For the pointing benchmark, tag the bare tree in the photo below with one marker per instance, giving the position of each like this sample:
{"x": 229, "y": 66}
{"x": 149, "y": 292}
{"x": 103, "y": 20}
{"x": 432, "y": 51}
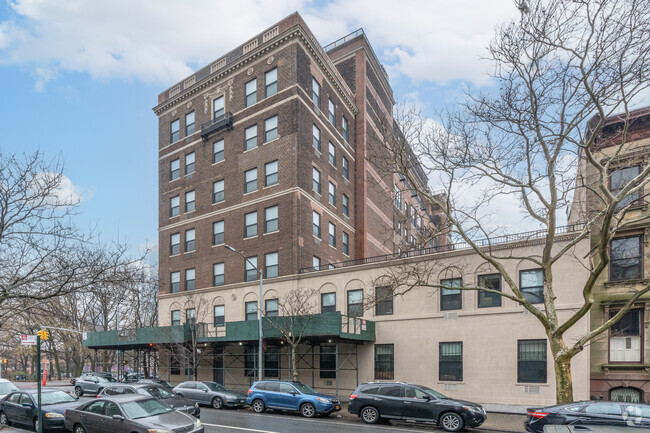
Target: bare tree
{"x": 556, "y": 66}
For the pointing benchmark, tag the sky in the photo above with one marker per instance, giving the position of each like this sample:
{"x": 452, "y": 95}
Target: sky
{"x": 80, "y": 78}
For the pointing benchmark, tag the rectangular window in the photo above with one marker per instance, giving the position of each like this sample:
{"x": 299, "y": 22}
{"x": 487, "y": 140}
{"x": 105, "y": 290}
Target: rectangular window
{"x": 271, "y": 82}
{"x": 218, "y": 193}
{"x": 251, "y": 310}
{"x": 332, "y": 154}
{"x": 271, "y": 265}
{"x": 346, "y": 205}
{"x": 271, "y": 219}
{"x": 190, "y": 203}
{"x": 271, "y": 173}
{"x": 355, "y": 303}
{"x": 272, "y": 362}
{"x": 625, "y": 337}
{"x": 398, "y": 198}
{"x": 531, "y": 284}
{"x": 451, "y": 299}
{"x": 219, "y": 315}
{"x": 315, "y": 132}
{"x": 250, "y": 355}
{"x": 218, "y": 152}
{"x": 175, "y": 244}
{"x": 384, "y": 361}
{"x": 316, "y": 223}
{"x": 190, "y": 315}
{"x": 251, "y": 92}
{"x": 271, "y": 308}
{"x": 218, "y": 274}
{"x": 190, "y": 163}
{"x": 327, "y": 302}
{"x": 218, "y": 233}
{"x": 190, "y": 278}
{"x": 531, "y": 361}
{"x": 450, "y": 366}
{"x": 619, "y": 178}
{"x": 345, "y": 128}
{"x": 315, "y": 92}
{"x": 176, "y": 317}
{"x": 218, "y": 107}
{"x": 174, "y": 206}
{"x": 250, "y": 137}
{"x": 174, "y": 169}
{"x": 251, "y": 268}
{"x": 346, "y": 244}
{"x": 270, "y": 129}
{"x": 327, "y": 362}
{"x": 175, "y": 282}
{"x": 250, "y": 220}
{"x": 489, "y": 281}
{"x": 332, "y": 194}
{"x": 345, "y": 167}
{"x": 175, "y": 130}
{"x": 315, "y": 262}
{"x": 626, "y": 258}
{"x": 332, "y": 235}
{"x": 250, "y": 180}
{"x": 190, "y": 240}
{"x": 383, "y": 301}
{"x": 189, "y": 124}
{"x": 315, "y": 177}
{"x": 331, "y": 112}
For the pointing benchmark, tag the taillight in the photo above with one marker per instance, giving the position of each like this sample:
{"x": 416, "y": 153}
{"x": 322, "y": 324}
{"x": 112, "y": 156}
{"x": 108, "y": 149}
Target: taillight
{"x": 353, "y": 396}
{"x": 538, "y": 415}
{"x": 250, "y": 390}
{"x": 99, "y": 396}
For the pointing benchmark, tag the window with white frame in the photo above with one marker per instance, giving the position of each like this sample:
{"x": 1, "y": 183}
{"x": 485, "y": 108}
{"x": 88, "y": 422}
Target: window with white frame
{"x": 271, "y": 219}
{"x": 345, "y": 167}
{"x": 218, "y": 151}
{"x": 345, "y": 128}
{"x": 332, "y": 194}
{"x": 398, "y": 198}
{"x": 315, "y": 262}
{"x": 218, "y": 193}
{"x": 190, "y": 163}
{"x": 346, "y": 205}
{"x": 346, "y": 244}
{"x": 315, "y": 132}
{"x": 270, "y": 129}
{"x": 316, "y": 223}
{"x": 332, "y": 154}
{"x": 315, "y": 176}
{"x": 175, "y": 281}
{"x": 332, "y": 234}
{"x": 250, "y": 180}
{"x": 218, "y": 233}
{"x": 174, "y": 244}
{"x": 218, "y": 274}
{"x": 190, "y": 203}
{"x": 625, "y": 337}
{"x": 271, "y": 173}
{"x": 271, "y": 308}
{"x": 218, "y": 108}
{"x": 251, "y": 268}
{"x": 251, "y": 92}
{"x": 331, "y": 112}
{"x": 190, "y": 240}
{"x": 219, "y": 316}
{"x": 271, "y": 266}
{"x": 271, "y": 82}
{"x": 251, "y": 310}
{"x": 189, "y": 123}
{"x": 174, "y": 206}
{"x": 174, "y": 169}
{"x": 251, "y": 224}
{"x": 250, "y": 137}
{"x": 190, "y": 279}
{"x": 315, "y": 92}
{"x": 175, "y": 129}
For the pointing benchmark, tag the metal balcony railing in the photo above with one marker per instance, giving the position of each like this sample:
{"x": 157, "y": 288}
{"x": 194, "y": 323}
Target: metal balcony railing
{"x": 217, "y": 124}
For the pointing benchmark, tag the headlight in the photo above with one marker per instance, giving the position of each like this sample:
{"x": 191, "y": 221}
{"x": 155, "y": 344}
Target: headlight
{"x": 473, "y": 409}
{"x": 197, "y": 423}
{"x": 323, "y": 400}
{"x": 53, "y": 415}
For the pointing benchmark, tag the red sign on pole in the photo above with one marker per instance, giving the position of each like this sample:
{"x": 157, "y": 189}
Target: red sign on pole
{"x": 44, "y": 377}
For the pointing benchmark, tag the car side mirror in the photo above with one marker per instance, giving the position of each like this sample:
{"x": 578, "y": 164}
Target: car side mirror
{"x": 293, "y": 393}
{"x": 118, "y": 417}
{"x": 204, "y": 390}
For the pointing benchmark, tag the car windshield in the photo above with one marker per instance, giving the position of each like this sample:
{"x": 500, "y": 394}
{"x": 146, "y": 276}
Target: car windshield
{"x": 144, "y": 408}
{"x": 110, "y": 379}
{"x": 436, "y": 394}
{"x": 303, "y": 388}
{"x": 215, "y": 386}
{"x": 6, "y": 388}
{"x": 56, "y": 397}
{"x": 159, "y": 392}
{"x": 165, "y": 384}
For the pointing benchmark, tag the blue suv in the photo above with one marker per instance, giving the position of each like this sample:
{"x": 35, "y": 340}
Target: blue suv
{"x": 291, "y": 396}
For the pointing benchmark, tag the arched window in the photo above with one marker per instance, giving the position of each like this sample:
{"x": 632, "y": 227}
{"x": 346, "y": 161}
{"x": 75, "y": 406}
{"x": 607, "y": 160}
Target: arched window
{"x": 627, "y": 395}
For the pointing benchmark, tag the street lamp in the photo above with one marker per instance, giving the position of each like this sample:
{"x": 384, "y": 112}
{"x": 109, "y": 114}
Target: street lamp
{"x": 259, "y": 313}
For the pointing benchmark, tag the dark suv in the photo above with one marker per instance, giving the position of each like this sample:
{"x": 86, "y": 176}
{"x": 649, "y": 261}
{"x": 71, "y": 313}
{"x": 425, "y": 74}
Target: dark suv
{"x": 375, "y": 400}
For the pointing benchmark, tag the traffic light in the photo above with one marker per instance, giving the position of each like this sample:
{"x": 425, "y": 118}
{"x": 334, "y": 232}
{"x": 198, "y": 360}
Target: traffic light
{"x": 45, "y": 335}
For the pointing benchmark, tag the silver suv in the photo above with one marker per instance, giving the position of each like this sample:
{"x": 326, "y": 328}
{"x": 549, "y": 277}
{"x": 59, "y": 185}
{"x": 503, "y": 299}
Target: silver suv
{"x": 91, "y": 384}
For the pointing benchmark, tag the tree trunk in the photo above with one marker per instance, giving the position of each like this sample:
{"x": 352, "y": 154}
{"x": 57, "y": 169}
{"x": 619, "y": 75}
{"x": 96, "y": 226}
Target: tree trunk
{"x": 562, "y": 367}
{"x": 294, "y": 367}
{"x": 55, "y": 354}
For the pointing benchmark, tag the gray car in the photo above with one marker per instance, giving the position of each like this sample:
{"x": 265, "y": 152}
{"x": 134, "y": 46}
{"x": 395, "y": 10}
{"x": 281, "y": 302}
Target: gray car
{"x": 128, "y": 413}
{"x": 218, "y": 396}
{"x": 88, "y": 384}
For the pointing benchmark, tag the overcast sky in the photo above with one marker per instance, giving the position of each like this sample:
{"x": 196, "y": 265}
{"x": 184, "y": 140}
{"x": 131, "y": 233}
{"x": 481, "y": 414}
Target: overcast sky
{"x": 80, "y": 77}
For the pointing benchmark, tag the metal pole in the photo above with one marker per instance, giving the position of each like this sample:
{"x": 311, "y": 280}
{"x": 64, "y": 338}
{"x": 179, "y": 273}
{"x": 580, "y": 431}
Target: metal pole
{"x": 38, "y": 380}
{"x": 336, "y": 364}
{"x": 259, "y": 317}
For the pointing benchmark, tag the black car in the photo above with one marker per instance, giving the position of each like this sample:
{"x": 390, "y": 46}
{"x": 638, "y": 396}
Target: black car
{"x": 20, "y": 407}
{"x": 157, "y": 391}
{"x": 589, "y": 413}
{"x": 129, "y": 413}
{"x": 389, "y": 400}
{"x": 218, "y": 396}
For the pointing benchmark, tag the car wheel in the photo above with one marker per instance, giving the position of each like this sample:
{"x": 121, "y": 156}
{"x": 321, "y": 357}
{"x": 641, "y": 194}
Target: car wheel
{"x": 3, "y": 419}
{"x": 79, "y": 429}
{"x": 36, "y": 424}
{"x": 451, "y": 421}
{"x": 308, "y": 410}
{"x": 258, "y": 406}
{"x": 369, "y": 415}
{"x": 78, "y": 391}
{"x": 217, "y": 403}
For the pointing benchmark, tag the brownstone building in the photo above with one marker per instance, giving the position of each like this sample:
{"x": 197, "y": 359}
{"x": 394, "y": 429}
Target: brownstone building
{"x": 269, "y": 150}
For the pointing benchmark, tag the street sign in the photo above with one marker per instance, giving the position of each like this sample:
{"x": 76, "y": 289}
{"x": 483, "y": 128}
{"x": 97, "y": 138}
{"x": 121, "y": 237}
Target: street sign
{"x": 363, "y": 325}
{"x": 28, "y": 340}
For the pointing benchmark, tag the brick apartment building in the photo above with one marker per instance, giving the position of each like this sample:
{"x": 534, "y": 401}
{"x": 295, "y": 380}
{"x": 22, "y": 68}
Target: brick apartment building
{"x": 266, "y": 150}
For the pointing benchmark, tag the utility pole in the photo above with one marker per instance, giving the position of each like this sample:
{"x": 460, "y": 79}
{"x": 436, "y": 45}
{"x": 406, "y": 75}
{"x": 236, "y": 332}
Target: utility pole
{"x": 39, "y": 427}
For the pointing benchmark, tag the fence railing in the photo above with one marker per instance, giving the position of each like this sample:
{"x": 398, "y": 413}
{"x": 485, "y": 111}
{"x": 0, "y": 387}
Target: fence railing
{"x": 349, "y": 37}
{"x": 458, "y": 246}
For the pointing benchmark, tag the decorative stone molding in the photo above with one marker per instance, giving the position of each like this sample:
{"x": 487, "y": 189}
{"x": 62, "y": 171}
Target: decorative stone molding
{"x": 189, "y": 104}
{"x": 250, "y": 46}
{"x": 233, "y": 297}
{"x": 189, "y": 82}
{"x": 270, "y": 60}
{"x": 218, "y": 65}
{"x": 174, "y": 112}
{"x": 270, "y": 34}
{"x": 175, "y": 91}
{"x": 250, "y": 71}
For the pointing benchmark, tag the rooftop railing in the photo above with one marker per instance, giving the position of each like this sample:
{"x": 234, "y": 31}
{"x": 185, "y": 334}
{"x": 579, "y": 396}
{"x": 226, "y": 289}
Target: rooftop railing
{"x": 346, "y": 38}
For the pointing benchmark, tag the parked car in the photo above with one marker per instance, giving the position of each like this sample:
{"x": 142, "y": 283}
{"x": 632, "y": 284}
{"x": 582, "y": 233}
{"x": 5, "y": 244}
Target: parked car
{"x": 108, "y": 376}
{"x": 6, "y": 387}
{"x": 160, "y": 382}
{"x": 91, "y": 384}
{"x": 589, "y": 413}
{"x": 20, "y": 408}
{"x": 291, "y": 396}
{"x": 218, "y": 396}
{"x": 129, "y": 413}
{"x": 156, "y": 391}
{"x": 394, "y": 400}
{"x": 590, "y": 429}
